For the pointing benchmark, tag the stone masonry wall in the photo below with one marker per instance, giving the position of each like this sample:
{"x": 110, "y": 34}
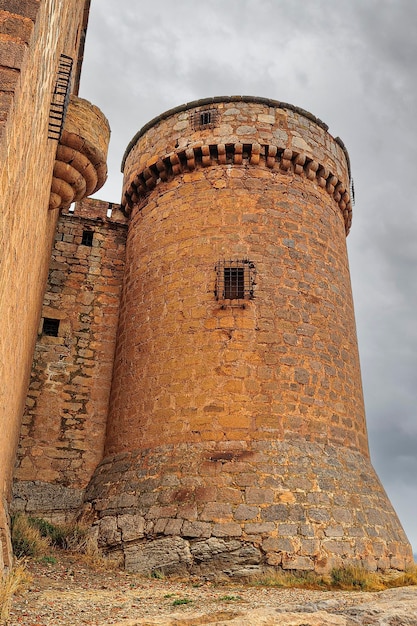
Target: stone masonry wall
{"x": 28, "y": 63}
{"x": 235, "y": 508}
{"x": 285, "y": 363}
{"x": 64, "y": 424}
{"x": 16, "y": 26}
{"x": 236, "y": 436}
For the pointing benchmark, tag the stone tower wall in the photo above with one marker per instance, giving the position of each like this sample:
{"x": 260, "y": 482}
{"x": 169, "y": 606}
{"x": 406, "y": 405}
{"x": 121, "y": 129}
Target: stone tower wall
{"x": 33, "y": 34}
{"x": 285, "y": 364}
{"x": 236, "y": 435}
{"x": 64, "y": 423}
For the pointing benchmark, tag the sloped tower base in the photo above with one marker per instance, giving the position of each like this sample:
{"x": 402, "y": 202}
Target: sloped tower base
{"x": 237, "y": 508}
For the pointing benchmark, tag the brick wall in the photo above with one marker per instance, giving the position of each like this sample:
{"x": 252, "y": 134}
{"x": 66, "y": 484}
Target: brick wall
{"x": 64, "y": 424}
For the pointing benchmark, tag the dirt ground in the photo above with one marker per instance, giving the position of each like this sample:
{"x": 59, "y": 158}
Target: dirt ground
{"x": 70, "y": 592}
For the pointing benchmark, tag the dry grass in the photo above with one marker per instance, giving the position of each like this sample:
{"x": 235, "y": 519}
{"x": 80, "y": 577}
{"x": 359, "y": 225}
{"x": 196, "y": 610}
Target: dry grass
{"x": 95, "y": 558}
{"x": 39, "y": 539}
{"x": 27, "y": 539}
{"x": 36, "y": 538}
{"x": 33, "y": 536}
{"x": 289, "y": 579}
{"x": 348, "y": 578}
{"x": 402, "y": 579}
{"x": 355, "y": 578}
{"x": 12, "y": 582}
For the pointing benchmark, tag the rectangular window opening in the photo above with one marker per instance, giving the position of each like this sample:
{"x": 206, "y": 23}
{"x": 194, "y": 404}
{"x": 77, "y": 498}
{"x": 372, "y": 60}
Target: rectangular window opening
{"x": 87, "y": 239}
{"x": 234, "y": 285}
{"x": 50, "y": 327}
{"x": 204, "y": 119}
{"x": 235, "y": 280}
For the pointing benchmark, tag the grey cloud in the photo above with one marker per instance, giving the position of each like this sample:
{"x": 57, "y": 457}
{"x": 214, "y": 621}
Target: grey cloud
{"x": 351, "y": 63}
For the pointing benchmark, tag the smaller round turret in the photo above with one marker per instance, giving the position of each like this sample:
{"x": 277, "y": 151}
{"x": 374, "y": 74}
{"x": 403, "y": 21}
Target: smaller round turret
{"x": 81, "y": 158}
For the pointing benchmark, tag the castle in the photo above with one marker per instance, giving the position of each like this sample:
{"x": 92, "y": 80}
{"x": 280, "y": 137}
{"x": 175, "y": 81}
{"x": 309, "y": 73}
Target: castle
{"x": 194, "y": 384}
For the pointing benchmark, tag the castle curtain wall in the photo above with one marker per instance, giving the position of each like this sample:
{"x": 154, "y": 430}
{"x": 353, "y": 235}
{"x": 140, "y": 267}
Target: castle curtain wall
{"x": 33, "y": 35}
{"x": 64, "y": 422}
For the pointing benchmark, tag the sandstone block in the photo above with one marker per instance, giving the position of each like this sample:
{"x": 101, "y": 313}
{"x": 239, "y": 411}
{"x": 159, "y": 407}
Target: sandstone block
{"x": 244, "y": 512}
{"x": 278, "y": 544}
{"x": 259, "y": 528}
{"x": 109, "y": 533}
{"x": 173, "y": 527}
{"x": 297, "y": 562}
{"x": 256, "y": 495}
{"x": 334, "y": 531}
{"x": 227, "y": 529}
{"x": 338, "y": 547}
{"x": 275, "y": 512}
{"x": 162, "y": 554}
{"x": 131, "y": 526}
{"x": 196, "y": 529}
{"x": 214, "y": 511}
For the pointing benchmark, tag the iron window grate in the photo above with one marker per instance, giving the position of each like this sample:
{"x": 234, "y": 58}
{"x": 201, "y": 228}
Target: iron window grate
{"x": 60, "y": 97}
{"x": 235, "y": 280}
{"x": 206, "y": 118}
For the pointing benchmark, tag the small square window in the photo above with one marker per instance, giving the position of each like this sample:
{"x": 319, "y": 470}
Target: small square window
{"x": 204, "y": 119}
{"x": 87, "y": 239}
{"x": 235, "y": 280}
{"x": 50, "y": 327}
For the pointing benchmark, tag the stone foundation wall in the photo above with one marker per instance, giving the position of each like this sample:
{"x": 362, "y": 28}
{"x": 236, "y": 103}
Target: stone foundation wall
{"x": 236, "y": 507}
{"x": 62, "y": 436}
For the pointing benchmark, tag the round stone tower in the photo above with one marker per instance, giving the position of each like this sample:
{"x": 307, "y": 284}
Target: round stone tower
{"x": 236, "y": 436}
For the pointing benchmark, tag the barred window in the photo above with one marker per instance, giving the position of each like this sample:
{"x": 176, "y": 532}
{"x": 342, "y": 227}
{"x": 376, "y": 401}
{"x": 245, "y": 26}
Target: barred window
{"x": 235, "y": 280}
{"x": 234, "y": 283}
{"x": 206, "y": 118}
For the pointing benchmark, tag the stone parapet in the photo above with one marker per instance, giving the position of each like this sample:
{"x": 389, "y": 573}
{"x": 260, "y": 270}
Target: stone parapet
{"x": 241, "y": 130}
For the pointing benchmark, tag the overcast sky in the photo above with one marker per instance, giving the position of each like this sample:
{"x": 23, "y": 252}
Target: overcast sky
{"x": 352, "y": 63}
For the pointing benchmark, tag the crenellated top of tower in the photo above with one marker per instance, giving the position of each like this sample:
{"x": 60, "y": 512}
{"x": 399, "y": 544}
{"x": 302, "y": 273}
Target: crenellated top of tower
{"x": 236, "y": 130}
